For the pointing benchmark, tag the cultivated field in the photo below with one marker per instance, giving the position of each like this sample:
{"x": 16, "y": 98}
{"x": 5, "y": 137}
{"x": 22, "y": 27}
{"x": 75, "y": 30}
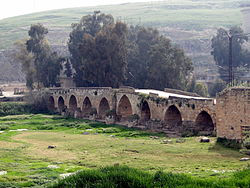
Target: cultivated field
{"x": 81, "y": 144}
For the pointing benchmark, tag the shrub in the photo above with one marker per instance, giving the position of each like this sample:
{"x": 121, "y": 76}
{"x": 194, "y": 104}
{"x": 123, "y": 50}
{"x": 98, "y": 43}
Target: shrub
{"x": 45, "y": 127}
{"x": 4, "y": 127}
{"x": 235, "y": 144}
{"x": 125, "y": 177}
{"x": 93, "y": 111}
{"x": 13, "y": 108}
{"x": 111, "y": 113}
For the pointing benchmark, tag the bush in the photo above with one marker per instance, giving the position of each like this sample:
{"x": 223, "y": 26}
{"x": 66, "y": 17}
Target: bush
{"x": 229, "y": 143}
{"x": 125, "y": 177}
{"x": 4, "y": 127}
{"x": 45, "y": 127}
{"x": 13, "y": 108}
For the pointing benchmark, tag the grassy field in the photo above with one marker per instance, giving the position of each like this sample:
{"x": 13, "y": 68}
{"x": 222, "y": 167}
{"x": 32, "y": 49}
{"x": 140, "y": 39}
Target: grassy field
{"x": 183, "y": 14}
{"x": 81, "y": 145}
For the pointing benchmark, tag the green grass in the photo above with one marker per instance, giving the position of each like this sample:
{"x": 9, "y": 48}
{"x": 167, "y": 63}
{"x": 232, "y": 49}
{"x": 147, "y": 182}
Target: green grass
{"x": 125, "y": 177}
{"x": 25, "y": 156}
{"x": 183, "y": 14}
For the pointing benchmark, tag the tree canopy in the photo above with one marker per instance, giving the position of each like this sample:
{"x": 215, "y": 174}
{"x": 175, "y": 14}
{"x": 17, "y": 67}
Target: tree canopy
{"x": 39, "y": 63}
{"x": 108, "y": 53}
{"x": 220, "y": 49}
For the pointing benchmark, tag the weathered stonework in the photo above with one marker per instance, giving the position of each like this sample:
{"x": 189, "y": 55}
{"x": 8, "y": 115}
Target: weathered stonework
{"x": 156, "y": 110}
{"x": 233, "y": 113}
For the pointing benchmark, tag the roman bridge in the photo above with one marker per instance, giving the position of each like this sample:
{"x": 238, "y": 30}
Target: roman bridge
{"x": 160, "y": 111}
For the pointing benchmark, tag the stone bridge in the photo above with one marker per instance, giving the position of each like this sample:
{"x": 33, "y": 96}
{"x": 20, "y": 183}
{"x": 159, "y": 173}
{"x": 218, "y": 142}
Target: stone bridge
{"x": 169, "y": 111}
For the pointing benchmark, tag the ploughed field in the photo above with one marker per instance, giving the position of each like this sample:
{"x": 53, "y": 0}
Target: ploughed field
{"x": 26, "y": 158}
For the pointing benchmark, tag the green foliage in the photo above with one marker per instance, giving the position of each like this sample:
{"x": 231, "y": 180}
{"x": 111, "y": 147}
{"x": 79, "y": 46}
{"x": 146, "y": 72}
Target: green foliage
{"x": 68, "y": 69}
{"x": 220, "y": 49}
{"x": 9, "y": 108}
{"x": 4, "y": 127}
{"x": 229, "y": 143}
{"x": 153, "y": 62}
{"x": 128, "y": 177}
{"x": 217, "y": 87}
{"x": 39, "y": 63}
{"x": 201, "y": 89}
{"x": 98, "y": 52}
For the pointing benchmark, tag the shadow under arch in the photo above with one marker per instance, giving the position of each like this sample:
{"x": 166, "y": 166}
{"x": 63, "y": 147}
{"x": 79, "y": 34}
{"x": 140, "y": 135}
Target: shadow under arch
{"x": 145, "y": 111}
{"x": 72, "y": 103}
{"x": 86, "y": 107}
{"x": 204, "y": 123}
{"x": 51, "y": 105}
{"x": 61, "y": 104}
{"x": 173, "y": 117}
{"x": 124, "y": 108}
{"x": 103, "y": 108}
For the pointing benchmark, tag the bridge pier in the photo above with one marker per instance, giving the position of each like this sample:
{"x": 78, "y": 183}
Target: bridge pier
{"x": 147, "y": 109}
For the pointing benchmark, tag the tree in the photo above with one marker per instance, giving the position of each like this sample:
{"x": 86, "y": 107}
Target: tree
{"x": 220, "y": 49}
{"x": 140, "y": 41}
{"x": 27, "y": 60}
{"x": 168, "y": 66}
{"x": 153, "y": 62}
{"x": 98, "y": 51}
{"x": 201, "y": 89}
{"x": 47, "y": 64}
{"x": 68, "y": 69}
{"x": 217, "y": 87}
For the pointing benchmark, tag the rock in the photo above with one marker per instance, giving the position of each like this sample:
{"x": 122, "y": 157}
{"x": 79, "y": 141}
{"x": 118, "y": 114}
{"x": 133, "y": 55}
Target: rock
{"x": 3, "y": 173}
{"x": 167, "y": 142}
{"x": 245, "y": 151}
{"x": 51, "y": 147}
{"x": 1, "y": 132}
{"x": 53, "y": 166}
{"x": 131, "y": 150}
{"x": 204, "y": 139}
{"x": 85, "y": 133}
{"x": 244, "y": 159}
{"x": 113, "y": 136}
{"x": 19, "y": 130}
{"x": 180, "y": 140}
{"x": 154, "y": 137}
{"x": 66, "y": 175}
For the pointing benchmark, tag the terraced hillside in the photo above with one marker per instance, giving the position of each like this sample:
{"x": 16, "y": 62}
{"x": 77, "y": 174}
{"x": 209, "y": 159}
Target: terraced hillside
{"x": 189, "y": 23}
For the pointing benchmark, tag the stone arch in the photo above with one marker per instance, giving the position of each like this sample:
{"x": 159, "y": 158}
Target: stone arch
{"x": 103, "y": 108}
{"x": 51, "y": 104}
{"x": 173, "y": 117}
{"x": 72, "y": 103}
{"x": 145, "y": 111}
{"x": 124, "y": 107}
{"x": 86, "y": 106}
{"x": 61, "y": 104}
{"x": 204, "y": 123}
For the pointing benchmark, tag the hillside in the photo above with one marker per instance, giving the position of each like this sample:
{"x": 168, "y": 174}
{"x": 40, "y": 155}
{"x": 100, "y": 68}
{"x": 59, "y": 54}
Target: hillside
{"x": 189, "y": 23}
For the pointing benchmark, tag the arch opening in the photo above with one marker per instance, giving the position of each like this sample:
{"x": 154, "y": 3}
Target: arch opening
{"x": 86, "y": 107}
{"x": 145, "y": 111}
{"x": 204, "y": 123}
{"x": 73, "y": 103}
{"x": 51, "y": 105}
{"x": 103, "y": 108}
{"x": 124, "y": 108}
{"x": 173, "y": 117}
{"x": 61, "y": 105}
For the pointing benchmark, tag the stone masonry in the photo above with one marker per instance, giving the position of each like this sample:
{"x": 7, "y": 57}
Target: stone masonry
{"x": 159, "y": 111}
{"x": 233, "y": 113}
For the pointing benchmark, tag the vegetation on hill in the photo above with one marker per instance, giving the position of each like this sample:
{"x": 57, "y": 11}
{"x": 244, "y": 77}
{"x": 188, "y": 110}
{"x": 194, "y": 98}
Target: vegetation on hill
{"x": 220, "y": 50}
{"x": 105, "y": 53}
{"x": 190, "y": 24}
